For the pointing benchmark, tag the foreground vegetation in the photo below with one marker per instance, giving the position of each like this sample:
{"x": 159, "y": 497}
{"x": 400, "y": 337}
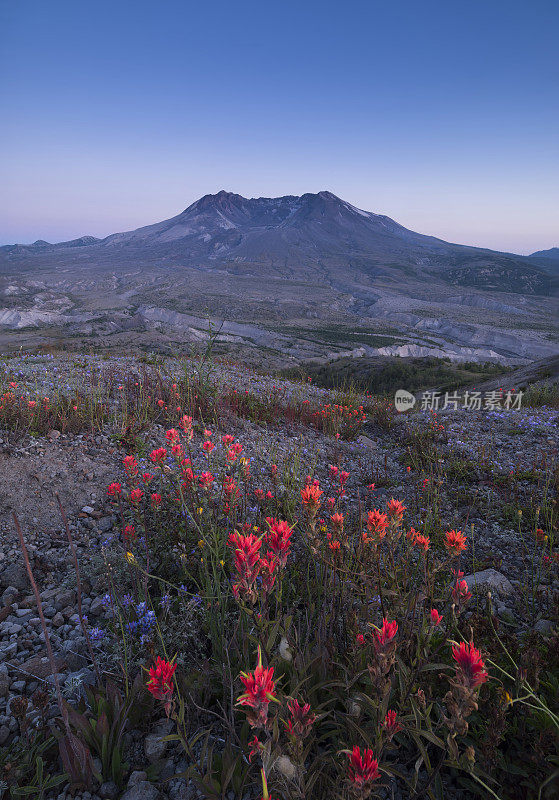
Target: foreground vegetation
{"x": 302, "y": 644}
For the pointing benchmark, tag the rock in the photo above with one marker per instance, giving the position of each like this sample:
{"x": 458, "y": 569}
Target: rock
{"x": 58, "y": 620}
{"x": 136, "y": 777}
{"x": 105, "y": 524}
{"x": 65, "y": 599}
{"x": 88, "y": 510}
{"x": 97, "y": 607}
{"x": 4, "y": 733}
{"x": 489, "y": 580}
{"x": 54, "y": 434}
{"x": 154, "y": 747}
{"x": 14, "y": 575}
{"x": 544, "y": 626}
{"x": 9, "y": 594}
{"x": 39, "y": 666}
{"x": 108, "y": 790}
{"x": 141, "y": 791}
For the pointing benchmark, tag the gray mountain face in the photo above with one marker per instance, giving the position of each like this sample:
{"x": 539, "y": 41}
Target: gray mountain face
{"x": 289, "y": 262}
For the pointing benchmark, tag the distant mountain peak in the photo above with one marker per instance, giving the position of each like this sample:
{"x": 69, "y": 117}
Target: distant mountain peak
{"x": 552, "y": 253}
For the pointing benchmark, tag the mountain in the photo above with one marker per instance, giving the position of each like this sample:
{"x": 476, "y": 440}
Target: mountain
{"x": 298, "y": 262}
{"x": 548, "y": 259}
{"x": 283, "y": 233}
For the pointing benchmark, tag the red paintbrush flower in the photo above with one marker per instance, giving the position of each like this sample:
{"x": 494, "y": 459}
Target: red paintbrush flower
{"x": 421, "y": 541}
{"x": 395, "y": 509}
{"x": 337, "y": 522}
{"x": 172, "y": 436}
{"x": 461, "y": 593}
{"x": 136, "y": 495}
{"x": 260, "y": 688}
{"x": 470, "y": 668}
{"x": 436, "y": 618}
{"x": 362, "y": 768}
{"x": 310, "y": 497}
{"x": 160, "y": 682}
{"x": 301, "y": 719}
{"x": 377, "y": 523}
{"x": 455, "y": 542}
{"x": 391, "y": 724}
{"x": 386, "y": 634}
{"x": 278, "y": 538}
{"x": 158, "y": 455}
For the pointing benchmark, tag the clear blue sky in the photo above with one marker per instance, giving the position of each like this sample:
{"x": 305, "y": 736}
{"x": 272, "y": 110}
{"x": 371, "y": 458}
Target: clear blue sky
{"x": 443, "y": 115}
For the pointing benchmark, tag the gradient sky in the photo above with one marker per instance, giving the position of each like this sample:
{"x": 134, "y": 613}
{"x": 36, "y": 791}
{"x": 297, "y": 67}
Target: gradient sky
{"x": 443, "y": 115}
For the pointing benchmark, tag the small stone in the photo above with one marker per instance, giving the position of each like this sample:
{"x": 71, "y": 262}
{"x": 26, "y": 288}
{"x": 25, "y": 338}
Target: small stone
{"x": 108, "y": 790}
{"x": 489, "y": 580}
{"x": 544, "y": 626}
{"x": 142, "y": 790}
{"x": 4, "y": 733}
{"x": 14, "y": 575}
{"x": 97, "y": 607}
{"x": 154, "y": 747}
{"x": 136, "y": 777}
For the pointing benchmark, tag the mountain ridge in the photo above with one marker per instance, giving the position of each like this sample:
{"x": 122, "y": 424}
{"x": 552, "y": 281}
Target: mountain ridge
{"x": 297, "y": 261}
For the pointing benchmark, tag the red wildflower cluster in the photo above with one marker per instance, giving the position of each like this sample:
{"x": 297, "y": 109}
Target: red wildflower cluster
{"x": 260, "y": 688}
{"x": 310, "y": 497}
{"x": 395, "y": 510}
{"x": 158, "y": 456}
{"x": 278, "y": 539}
{"x": 186, "y": 425}
{"x": 129, "y": 533}
{"x": 455, "y": 542}
{"x": 205, "y": 480}
{"x": 130, "y": 466}
{"x": 172, "y": 436}
{"x": 386, "y": 634}
{"x": 340, "y": 477}
{"x": 135, "y": 496}
{"x": 301, "y": 719}
{"x": 377, "y": 523}
{"x": 337, "y": 522}
{"x": 160, "y": 682}
{"x": 231, "y": 492}
{"x": 391, "y": 724}
{"x": 251, "y": 565}
{"x": 362, "y": 771}
{"x": 421, "y": 541}
{"x": 460, "y": 593}
{"x": 435, "y": 617}
{"x": 114, "y": 490}
{"x": 470, "y": 668}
